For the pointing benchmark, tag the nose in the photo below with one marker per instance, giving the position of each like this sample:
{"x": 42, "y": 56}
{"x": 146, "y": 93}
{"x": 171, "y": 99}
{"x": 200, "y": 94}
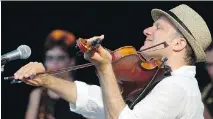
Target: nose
{"x": 148, "y": 31}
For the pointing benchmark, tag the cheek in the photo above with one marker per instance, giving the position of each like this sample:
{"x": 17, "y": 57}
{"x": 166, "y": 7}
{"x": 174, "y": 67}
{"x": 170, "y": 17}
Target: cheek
{"x": 49, "y": 65}
{"x": 159, "y": 36}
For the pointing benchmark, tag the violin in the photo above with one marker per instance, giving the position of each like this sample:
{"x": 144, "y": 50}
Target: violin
{"x": 132, "y": 70}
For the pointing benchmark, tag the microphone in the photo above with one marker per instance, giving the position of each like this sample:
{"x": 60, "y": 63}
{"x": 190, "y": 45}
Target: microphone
{"x": 22, "y": 52}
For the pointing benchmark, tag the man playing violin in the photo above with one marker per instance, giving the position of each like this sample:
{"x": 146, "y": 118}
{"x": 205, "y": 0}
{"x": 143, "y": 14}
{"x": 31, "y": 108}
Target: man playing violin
{"x": 175, "y": 97}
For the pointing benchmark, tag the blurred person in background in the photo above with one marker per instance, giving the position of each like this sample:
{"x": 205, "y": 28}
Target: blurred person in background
{"x": 207, "y": 94}
{"x": 59, "y": 53}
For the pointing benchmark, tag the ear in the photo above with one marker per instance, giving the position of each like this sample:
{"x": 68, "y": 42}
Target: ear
{"x": 72, "y": 61}
{"x": 178, "y": 44}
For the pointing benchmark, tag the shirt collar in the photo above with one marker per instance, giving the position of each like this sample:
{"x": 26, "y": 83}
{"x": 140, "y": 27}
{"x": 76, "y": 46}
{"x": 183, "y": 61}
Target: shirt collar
{"x": 188, "y": 71}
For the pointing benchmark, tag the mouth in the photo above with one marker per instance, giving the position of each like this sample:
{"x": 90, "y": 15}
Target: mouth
{"x": 146, "y": 43}
{"x": 148, "y": 39}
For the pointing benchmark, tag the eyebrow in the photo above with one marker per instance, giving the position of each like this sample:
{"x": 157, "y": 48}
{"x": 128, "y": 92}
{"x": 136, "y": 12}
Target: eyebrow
{"x": 156, "y": 24}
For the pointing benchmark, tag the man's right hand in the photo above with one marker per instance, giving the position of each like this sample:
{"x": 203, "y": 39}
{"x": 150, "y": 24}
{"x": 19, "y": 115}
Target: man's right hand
{"x": 64, "y": 88}
{"x": 30, "y": 70}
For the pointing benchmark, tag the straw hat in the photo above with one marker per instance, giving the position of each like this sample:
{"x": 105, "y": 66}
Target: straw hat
{"x": 191, "y": 25}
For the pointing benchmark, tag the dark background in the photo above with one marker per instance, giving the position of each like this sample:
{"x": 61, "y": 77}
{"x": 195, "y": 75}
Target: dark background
{"x": 122, "y": 23}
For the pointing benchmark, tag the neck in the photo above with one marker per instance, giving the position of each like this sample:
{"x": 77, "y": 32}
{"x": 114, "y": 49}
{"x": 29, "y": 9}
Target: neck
{"x": 175, "y": 62}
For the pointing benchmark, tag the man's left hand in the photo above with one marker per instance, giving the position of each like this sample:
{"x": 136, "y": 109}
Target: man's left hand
{"x": 101, "y": 57}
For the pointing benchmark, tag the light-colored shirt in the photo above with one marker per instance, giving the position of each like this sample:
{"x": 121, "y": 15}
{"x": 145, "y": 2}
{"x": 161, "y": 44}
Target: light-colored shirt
{"x": 175, "y": 97}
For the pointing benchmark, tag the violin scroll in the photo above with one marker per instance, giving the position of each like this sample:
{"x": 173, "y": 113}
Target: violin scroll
{"x": 86, "y": 45}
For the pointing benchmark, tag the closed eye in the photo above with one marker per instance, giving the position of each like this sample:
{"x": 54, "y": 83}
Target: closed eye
{"x": 158, "y": 26}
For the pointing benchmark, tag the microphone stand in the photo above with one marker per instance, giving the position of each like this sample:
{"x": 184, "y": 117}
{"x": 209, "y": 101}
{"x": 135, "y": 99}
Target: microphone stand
{"x": 2, "y": 68}
{"x": 4, "y": 60}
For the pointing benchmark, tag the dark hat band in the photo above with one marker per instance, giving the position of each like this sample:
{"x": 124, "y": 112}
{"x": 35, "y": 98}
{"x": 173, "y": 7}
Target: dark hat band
{"x": 180, "y": 22}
